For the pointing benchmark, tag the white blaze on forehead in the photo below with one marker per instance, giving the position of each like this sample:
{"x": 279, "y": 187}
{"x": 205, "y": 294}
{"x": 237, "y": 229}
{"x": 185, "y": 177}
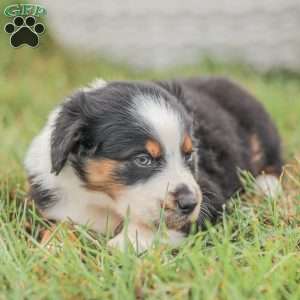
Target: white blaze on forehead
{"x": 167, "y": 126}
{"x": 163, "y": 119}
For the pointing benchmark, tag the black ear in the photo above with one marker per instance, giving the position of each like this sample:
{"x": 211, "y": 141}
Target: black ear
{"x": 66, "y": 135}
{"x": 173, "y": 87}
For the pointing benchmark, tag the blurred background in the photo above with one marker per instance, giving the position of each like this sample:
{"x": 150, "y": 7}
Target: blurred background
{"x": 254, "y": 42}
{"x": 156, "y": 34}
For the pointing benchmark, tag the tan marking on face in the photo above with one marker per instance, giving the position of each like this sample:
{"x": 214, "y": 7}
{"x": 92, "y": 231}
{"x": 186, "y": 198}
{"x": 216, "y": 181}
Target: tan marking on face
{"x": 168, "y": 202}
{"x": 174, "y": 220}
{"x": 153, "y": 148}
{"x": 187, "y": 145}
{"x": 100, "y": 177}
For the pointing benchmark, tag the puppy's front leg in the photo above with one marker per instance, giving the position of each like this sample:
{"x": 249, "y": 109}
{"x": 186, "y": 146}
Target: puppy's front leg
{"x": 139, "y": 236}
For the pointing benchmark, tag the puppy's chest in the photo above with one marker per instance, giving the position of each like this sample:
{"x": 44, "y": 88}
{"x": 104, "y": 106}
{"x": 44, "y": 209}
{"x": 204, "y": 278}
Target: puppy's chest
{"x": 93, "y": 209}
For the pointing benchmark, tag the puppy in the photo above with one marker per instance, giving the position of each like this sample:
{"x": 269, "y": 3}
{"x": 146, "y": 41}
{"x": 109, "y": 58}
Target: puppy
{"x": 134, "y": 149}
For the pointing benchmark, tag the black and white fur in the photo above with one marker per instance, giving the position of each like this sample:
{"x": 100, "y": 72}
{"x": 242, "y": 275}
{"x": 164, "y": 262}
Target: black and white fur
{"x": 91, "y": 161}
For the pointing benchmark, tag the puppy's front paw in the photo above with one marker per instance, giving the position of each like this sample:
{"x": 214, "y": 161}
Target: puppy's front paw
{"x": 268, "y": 185}
{"x": 140, "y": 240}
{"x": 119, "y": 242}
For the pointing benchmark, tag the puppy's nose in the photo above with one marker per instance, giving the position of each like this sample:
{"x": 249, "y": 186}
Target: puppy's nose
{"x": 185, "y": 198}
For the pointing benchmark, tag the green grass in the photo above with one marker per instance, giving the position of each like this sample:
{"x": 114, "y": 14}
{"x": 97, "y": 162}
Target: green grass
{"x": 252, "y": 254}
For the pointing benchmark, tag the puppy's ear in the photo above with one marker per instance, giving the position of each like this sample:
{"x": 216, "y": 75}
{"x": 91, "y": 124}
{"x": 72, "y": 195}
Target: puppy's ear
{"x": 173, "y": 87}
{"x": 66, "y": 134}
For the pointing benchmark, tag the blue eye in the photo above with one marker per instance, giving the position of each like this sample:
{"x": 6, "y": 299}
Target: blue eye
{"x": 143, "y": 160}
{"x": 188, "y": 157}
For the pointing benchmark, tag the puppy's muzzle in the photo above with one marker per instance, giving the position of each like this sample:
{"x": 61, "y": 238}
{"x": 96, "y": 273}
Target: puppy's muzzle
{"x": 182, "y": 207}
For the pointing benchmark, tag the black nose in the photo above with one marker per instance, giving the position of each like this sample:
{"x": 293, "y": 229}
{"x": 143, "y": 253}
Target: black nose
{"x": 185, "y": 198}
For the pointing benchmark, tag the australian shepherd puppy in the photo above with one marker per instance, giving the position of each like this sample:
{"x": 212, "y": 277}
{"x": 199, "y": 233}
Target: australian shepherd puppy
{"x": 134, "y": 149}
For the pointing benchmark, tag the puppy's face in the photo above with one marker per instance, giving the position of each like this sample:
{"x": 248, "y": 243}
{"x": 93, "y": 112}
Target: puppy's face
{"x": 134, "y": 143}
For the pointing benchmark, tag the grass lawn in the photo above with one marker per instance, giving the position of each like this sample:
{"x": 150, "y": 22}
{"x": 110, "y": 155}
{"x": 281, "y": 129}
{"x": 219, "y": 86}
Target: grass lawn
{"x": 252, "y": 254}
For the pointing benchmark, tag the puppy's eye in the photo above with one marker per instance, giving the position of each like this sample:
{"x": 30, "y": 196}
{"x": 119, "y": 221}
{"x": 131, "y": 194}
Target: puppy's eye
{"x": 188, "y": 157}
{"x": 143, "y": 160}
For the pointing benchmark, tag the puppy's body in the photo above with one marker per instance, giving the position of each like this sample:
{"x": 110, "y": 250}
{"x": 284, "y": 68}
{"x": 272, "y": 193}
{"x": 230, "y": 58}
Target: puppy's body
{"x": 233, "y": 132}
{"x": 134, "y": 148}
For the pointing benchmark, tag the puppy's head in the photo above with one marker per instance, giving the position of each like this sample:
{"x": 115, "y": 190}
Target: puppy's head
{"x": 133, "y": 142}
